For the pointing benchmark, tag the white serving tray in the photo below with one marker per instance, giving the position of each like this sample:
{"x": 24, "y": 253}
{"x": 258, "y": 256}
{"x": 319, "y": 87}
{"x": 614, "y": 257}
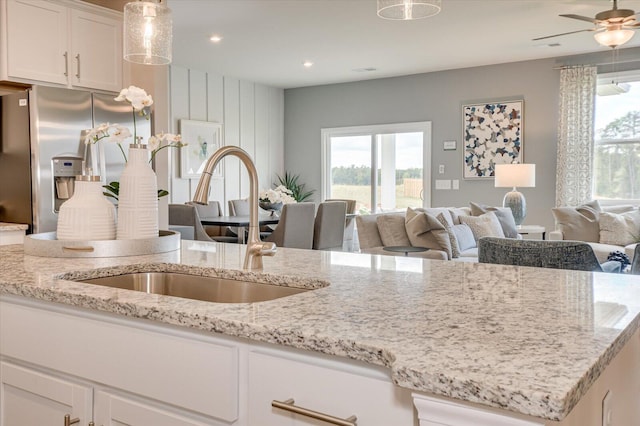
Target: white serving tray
{"x": 47, "y": 245}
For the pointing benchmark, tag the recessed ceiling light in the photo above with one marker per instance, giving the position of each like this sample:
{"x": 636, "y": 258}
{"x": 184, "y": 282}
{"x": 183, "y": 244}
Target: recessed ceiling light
{"x": 215, "y": 38}
{"x": 307, "y": 64}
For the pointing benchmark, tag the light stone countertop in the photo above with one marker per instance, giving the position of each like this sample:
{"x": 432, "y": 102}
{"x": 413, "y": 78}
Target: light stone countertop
{"x": 521, "y": 339}
{"x": 4, "y": 226}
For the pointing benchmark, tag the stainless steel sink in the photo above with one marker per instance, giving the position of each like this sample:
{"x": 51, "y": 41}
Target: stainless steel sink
{"x": 211, "y": 289}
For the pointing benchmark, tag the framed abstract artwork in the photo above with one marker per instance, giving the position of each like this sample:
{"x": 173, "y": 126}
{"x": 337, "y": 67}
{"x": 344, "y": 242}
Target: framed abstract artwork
{"x": 492, "y": 133}
{"x": 203, "y": 138}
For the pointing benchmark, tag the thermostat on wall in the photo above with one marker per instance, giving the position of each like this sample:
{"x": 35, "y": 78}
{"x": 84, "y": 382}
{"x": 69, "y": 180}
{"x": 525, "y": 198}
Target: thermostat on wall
{"x": 449, "y": 145}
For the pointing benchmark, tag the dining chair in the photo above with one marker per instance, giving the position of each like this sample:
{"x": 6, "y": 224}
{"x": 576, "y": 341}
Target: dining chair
{"x": 295, "y": 228}
{"x": 574, "y": 255}
{"x": 217, "y": 233}
{"x": 187, "y": 215}
{"x": 328, "y": 228}
{"x": 349, "y": 224}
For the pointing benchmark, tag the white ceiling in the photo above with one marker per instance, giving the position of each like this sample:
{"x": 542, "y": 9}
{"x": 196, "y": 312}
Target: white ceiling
{"x": 266, "y": 41}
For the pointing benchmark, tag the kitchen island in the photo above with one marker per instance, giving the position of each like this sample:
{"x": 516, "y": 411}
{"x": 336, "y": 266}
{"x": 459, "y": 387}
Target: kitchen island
{"x": 495, "y": 344}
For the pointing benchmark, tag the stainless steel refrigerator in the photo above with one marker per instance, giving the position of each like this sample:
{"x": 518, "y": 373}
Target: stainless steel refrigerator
{"x": 42, "y": 149}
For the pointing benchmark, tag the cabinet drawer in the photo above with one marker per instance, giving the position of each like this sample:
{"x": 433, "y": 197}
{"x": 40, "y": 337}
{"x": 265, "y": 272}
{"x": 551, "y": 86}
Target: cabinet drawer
{"x": 326, "y": 388}
{"x": 174, "y": 368}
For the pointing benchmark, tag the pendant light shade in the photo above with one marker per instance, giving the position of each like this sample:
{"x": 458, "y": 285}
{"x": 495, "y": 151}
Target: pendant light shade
{"x": 147, "y": 32}
{"x": 408, "y": 9}
{"x": 614, "y": 38}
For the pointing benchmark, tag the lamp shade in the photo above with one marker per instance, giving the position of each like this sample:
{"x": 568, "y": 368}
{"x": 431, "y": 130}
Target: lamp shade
{"x": 147, "y": 33}
{"x": 613, "y": 38}
{"x": 408, "y": 9}
{"x": 515, "y": 175}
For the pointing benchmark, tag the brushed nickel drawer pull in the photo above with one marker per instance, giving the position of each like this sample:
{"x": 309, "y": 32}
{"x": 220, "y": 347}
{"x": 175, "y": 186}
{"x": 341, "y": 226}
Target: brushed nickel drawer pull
{"x": 85, "y": 248}
{"x": 288, "y": 405}
{"x": 69, "y": 422}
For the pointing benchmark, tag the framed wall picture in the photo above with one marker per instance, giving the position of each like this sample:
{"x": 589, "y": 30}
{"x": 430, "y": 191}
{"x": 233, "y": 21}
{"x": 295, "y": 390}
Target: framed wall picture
{"x": 203, "y": 138}
{"x": 492, "y": 133}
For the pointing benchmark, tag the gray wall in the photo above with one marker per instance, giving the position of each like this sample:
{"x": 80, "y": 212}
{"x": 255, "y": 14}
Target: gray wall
{"x": 438, "y": 97}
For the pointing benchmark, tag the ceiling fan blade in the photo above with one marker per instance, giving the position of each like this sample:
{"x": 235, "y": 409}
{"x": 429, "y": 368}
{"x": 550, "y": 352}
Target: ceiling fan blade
{"x": 581, "y": 18}
{"x": 561, "y": 34}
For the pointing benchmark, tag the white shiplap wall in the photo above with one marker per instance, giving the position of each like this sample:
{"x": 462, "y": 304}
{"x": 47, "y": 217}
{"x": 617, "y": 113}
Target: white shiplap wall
{"x": 252, "y": 116}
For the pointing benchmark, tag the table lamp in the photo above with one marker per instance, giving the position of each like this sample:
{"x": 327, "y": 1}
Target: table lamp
{"x": 514, "y": 175}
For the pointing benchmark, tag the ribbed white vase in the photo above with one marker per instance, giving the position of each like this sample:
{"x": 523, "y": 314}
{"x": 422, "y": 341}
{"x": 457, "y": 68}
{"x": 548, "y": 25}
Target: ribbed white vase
{"x": 87, "y": 215}
{"x": 138, "y": 197}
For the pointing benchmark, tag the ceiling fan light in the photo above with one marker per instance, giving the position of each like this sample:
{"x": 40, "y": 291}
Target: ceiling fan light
{"x": 147, "y": 32}
{"x": 613, "y": 38}
{"x": 408, "y": 9}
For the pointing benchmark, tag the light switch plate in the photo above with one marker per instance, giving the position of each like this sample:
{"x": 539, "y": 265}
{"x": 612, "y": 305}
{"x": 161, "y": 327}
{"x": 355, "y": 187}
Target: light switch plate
{"x": 449, "y": 145}
{"x": 443, "y": 184}
{"x": 441, "y": 169}
{"x": 456, "y": 184}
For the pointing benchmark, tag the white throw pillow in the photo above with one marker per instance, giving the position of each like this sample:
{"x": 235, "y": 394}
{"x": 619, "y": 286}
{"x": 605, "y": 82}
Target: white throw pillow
{"x": 486, "y": 225}
{"x": 620, "y": 229}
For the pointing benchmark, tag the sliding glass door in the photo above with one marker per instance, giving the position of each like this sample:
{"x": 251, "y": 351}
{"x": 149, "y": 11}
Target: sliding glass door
{"x": 383, "y": 168}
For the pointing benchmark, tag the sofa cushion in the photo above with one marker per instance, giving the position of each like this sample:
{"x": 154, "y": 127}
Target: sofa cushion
{"x": 623, "y": 208}
{"x": 435, "y": 211}
{"x": 392, "y": 230}
{"x": 368, "y": 235}
{"x": 504, "y": 214}
{"x": 455, "y": 251}
{"x": 456, "y": 212}
{"x": 579, "y": 223}
{"x": 464, "y": 237}
{"x": 425, "y": 230}
{"x": 471, "y": 252}
{"x": 620, "y": 229}
{"x": 486, "y": 225}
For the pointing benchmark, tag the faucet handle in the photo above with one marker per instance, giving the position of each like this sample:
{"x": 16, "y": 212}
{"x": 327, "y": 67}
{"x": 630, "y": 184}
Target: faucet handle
{"x": 268, "y": 249}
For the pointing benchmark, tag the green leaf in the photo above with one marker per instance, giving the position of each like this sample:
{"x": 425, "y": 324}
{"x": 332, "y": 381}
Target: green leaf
{"x": 290, "y": 181}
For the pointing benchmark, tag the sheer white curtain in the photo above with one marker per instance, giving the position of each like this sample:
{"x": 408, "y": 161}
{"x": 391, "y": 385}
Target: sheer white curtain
{"x": 575, "y": 135}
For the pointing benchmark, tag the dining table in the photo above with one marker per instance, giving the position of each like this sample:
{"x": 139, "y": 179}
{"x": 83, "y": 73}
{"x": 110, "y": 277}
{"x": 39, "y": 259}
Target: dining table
{"x": 239, "y": 222}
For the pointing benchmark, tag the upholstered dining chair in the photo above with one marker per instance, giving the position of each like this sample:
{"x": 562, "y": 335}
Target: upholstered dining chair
{"x": 295, "y": 228}
{"x": 328, "y": 228}
{"x": 217, "y": 233}
{"x": 241, "y": 208}
{"x": 187, "y": 215}
{"x": 574, "y": 255}
{"x": 349, "y": 223}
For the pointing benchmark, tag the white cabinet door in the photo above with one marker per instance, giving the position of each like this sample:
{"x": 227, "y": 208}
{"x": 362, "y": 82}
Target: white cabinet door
{"x": 37, "y": 40}
{"x": 330, "y": 388}
{"x": 96, "y": 46}
{"x": 32, "y": 398}
{"x": 114, "y": 410}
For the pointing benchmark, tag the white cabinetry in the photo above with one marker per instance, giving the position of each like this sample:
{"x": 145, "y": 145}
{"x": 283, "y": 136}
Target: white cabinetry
{"x": 30, "y": 397}
{"x": 66, "y": 43}
{"x": 336, "y": 389}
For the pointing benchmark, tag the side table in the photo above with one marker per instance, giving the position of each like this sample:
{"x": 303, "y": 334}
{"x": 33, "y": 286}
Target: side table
{"x": 526, "y": 230}
{"x": 404, "y": 249}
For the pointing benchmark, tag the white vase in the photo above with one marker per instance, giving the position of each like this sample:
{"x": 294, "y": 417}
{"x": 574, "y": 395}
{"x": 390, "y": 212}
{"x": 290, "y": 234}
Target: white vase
{"x": 87, "y": 215}
{"x": 138, "y": 197}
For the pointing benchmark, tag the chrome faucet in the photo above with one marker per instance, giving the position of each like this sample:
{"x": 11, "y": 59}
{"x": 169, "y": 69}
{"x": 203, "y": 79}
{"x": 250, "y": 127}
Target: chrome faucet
{"x": 255, "y": 248}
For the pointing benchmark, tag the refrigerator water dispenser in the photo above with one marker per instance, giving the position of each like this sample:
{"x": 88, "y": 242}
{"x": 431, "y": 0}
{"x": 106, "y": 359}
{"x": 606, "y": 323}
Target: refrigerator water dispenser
{"x": 65, "y": 169}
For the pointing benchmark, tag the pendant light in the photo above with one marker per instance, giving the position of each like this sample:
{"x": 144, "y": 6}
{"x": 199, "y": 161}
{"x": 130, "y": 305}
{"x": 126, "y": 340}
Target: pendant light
{"x": 408, "y": 9}
{"x": 147, "y": 32}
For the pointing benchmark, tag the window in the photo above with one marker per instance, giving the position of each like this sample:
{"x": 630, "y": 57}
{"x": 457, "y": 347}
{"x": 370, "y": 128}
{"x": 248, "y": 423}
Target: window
{"x": 616, "y": 160}
{"x": 381, "y": 167}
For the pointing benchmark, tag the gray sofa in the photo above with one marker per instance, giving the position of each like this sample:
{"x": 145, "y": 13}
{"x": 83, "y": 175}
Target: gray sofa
{"x": 606, "y": 229}
{"x": 448, "y": 232}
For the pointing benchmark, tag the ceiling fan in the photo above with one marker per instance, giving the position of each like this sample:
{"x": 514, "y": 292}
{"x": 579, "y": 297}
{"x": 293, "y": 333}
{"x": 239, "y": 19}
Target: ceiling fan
{"x": 613, "y": 27}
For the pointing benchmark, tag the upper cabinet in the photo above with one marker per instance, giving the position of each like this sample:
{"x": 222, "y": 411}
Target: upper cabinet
{"x": 63, "y": 42}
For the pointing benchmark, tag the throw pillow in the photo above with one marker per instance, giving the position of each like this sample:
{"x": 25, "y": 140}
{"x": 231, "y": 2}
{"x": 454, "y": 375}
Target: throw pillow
{"x": 579, "y": 223}
{"x": 455, "y": 251}
{"x": 486, "y": 225}
{"x": 424, "y": 230}
{"x": 464, "y": 237}
{"x": 504, "y": 214}
{"x": 392, "y": 230}
{"x": 620, "y": 229}
{"x": 456, "y": 212}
